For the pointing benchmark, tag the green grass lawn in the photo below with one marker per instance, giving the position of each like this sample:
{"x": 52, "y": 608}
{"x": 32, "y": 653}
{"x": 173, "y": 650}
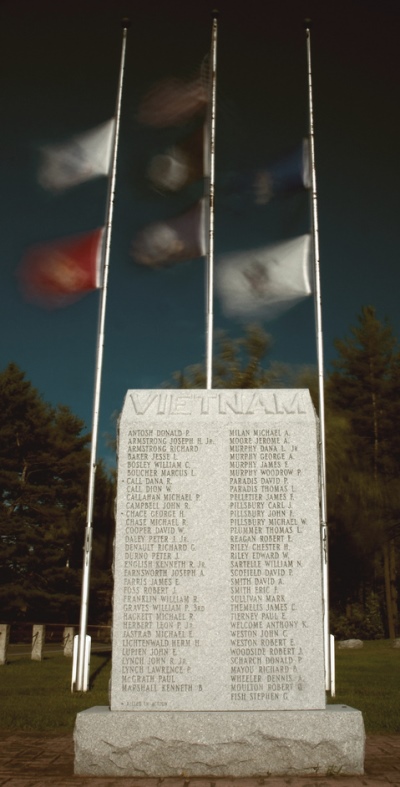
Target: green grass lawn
{"x": 369, "y": 680}
{"x": 37, "y": 696}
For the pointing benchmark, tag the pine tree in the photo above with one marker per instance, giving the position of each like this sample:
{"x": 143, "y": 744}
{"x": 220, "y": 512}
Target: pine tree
{"x": 238, "y": 363}
{"x": 363, "y": 387}
{"x": 43, "y": 480}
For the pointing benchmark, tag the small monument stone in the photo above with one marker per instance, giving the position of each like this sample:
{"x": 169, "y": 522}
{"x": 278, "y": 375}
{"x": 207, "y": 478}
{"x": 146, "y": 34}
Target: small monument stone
{"x": 4, "y": 640}
{"x": 350, "y": 644}
{"x": 68, "y": 641}
{"x": 218, "y": 662}
{"x": 38, "y": 640}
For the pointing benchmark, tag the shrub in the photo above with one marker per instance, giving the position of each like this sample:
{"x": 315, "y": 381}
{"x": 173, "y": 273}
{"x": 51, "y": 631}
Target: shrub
{"x": 361, "y": 621}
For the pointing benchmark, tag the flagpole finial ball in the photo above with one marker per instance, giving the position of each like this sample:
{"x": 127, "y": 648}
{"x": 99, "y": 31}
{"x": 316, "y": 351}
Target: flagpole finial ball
{"x": 307, "y": 24}
{"x": 125, "y": 22}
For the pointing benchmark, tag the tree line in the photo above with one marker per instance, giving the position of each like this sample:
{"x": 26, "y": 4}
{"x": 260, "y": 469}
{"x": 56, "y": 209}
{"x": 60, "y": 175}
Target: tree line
{"x": 362, "y": 420}
{"x": 44, "y": 464}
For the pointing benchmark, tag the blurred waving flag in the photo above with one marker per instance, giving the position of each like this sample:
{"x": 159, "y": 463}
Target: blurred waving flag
{"x": 181, "y": 164}
{"x": 178, "y": 239}
{"x": 172, "y": 102}
{"x": 262, "y": 283}
{"x": 286, "y": 175}
{"x": 57, "y": 274}
{"x": 83, "y": 157}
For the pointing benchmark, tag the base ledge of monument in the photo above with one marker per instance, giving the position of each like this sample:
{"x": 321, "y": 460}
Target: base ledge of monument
{"x": 219, "y": 743}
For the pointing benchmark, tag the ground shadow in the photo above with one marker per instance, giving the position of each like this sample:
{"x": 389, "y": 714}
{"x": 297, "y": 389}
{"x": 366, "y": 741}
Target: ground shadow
{"x": 106, "y": 656}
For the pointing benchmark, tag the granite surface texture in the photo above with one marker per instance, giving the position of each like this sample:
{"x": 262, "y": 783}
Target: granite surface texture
{"x": 217, "y": 744}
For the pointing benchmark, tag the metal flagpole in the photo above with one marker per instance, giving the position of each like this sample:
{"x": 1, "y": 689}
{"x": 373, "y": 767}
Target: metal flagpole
{"x": 79, "y": 684}
{"x": 320, "y": 359}
{"x": 210, "y": 252}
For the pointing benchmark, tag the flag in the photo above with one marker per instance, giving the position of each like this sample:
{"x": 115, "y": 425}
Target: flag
{"x": 172, "y": 102}
{"x": 286, "y": 175}
{"x": 57, "y": 274}
{"x": 81, "y": 158}
{"x": 166, "y": 242}
{"x": 181, "y": 164}
{"x": 261, "y": 283}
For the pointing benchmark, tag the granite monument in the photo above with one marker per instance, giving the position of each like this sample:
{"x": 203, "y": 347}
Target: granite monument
{"x": 218, "y": 652}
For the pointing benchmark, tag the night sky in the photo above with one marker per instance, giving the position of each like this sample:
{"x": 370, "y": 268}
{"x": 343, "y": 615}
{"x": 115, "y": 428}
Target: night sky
{"x": 59, "y": 73}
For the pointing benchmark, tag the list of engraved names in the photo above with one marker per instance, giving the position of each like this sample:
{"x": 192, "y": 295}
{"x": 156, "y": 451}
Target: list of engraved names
{"x": 265, "y": 657}
{"x": 159, "y": 618}
{"x": 217, "y": 566}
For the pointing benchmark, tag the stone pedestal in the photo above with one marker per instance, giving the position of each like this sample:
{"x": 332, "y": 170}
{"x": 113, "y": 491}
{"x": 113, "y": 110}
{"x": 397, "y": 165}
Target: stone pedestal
{"x": 217, "y": 647}
{"x": 239, "y": 744}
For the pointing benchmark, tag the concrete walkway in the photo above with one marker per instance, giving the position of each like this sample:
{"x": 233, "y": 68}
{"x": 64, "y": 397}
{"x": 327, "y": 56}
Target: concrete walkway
{"x": 36, "y": 760}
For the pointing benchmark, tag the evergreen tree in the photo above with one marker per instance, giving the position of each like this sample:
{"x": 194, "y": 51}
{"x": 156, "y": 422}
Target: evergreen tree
{"x": 362, "y": 384}
{"x": 362, "y": 408}
{"x": 366, "y": 505}
{"x": 238, "y": 363}
{"x": 43, "y": 481}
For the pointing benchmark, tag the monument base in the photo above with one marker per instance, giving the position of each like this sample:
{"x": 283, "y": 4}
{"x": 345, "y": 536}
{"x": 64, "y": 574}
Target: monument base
{"x": 233, "y": 744}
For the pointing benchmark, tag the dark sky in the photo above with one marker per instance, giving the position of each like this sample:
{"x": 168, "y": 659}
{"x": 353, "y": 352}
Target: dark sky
{"x": 59, "y": 71}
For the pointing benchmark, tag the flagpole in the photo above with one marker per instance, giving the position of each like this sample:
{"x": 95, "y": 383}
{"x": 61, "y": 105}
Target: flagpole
{"x": 79, "y": 684}
{"x": 320, "y": 361}
{"x": 210, "y": 252}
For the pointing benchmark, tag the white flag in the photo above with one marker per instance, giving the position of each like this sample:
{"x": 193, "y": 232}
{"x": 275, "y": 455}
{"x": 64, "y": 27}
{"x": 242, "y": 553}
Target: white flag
{"x": 81, "y": 158}
{"x": 265, "y": 282}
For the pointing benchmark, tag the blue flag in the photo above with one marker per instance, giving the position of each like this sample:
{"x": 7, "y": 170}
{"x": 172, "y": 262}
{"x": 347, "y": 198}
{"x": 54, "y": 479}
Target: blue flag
{"x": 282, "y": 177}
